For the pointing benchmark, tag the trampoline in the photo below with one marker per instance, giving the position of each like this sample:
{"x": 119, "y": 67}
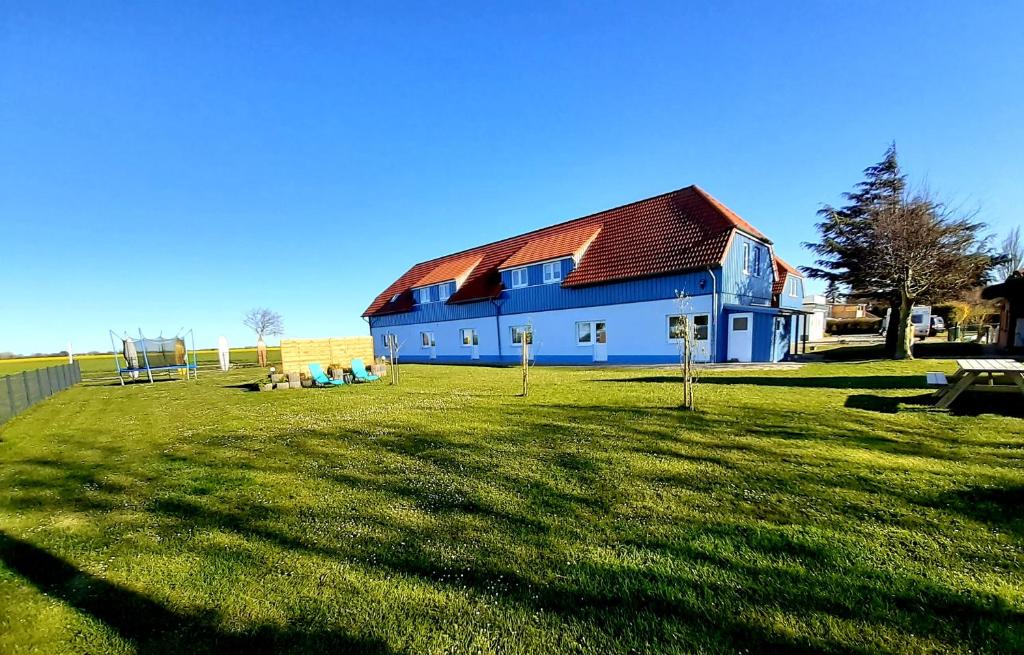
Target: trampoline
{"x": 133, "y": 357}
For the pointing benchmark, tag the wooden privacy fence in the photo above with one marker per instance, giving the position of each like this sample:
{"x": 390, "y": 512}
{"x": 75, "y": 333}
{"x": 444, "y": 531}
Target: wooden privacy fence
{"x": 20, "y": 391}
{"x": 298, "y": 354}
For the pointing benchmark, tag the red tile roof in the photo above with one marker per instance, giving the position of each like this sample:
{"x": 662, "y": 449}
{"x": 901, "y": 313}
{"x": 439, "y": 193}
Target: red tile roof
{"x": 552, "y": 246}
{"x": 677, "y": 231}
{"x": 449, "y": 269}
{"x": 782, "y": 270}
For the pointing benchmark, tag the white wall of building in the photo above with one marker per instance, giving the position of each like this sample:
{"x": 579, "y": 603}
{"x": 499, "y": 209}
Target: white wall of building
{"x": 635, "y": 331}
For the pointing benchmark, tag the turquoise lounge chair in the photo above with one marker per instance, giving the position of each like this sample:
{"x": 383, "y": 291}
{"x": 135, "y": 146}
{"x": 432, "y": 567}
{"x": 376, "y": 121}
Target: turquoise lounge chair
{"x": 359, "y": 372}
{"x": 320, "y": 378}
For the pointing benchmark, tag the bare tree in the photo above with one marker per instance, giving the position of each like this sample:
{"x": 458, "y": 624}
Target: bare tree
{"x": 922, "y": 252}
{"x": 1011, "y": 255}
{"x": 683, "y": 331}
{"x": 264, "y": 322}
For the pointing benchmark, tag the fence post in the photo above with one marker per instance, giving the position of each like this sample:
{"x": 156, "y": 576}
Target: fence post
{"x": 10, "y": 397}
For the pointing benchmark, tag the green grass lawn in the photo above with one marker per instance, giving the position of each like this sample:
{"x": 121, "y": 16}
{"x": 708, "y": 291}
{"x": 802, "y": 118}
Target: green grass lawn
{"x": 821, "y": 509}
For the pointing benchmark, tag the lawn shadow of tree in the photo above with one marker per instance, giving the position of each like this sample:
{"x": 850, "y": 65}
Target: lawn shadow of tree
{"x": 151, "y": 626}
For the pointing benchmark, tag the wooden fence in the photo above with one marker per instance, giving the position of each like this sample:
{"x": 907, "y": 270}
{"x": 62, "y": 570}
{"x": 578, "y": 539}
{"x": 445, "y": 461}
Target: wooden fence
{"x": 298, "y": 354}
{"x": 21, "y": 390}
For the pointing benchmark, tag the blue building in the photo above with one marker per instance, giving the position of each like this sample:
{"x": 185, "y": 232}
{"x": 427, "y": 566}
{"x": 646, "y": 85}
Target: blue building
{"x": 610, "y": 287}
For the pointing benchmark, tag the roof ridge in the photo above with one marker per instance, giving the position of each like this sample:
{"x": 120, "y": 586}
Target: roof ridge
{"x": 735, "y": 219}
{"x": 562, "y": 223}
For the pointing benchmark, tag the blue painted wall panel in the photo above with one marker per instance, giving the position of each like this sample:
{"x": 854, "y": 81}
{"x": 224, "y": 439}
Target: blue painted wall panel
{"x": 789, "y": 301}
{"x": 751, "y": 287}
{"x": 543, "y": 297}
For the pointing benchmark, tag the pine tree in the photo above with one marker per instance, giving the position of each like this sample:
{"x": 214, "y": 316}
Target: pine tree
{"x": 905, "y": 249}
{"x": 846, "y": 233}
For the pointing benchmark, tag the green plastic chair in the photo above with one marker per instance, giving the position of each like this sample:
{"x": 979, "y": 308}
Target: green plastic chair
{"x": 359, "y": 372}
{"x": 320, "y": 378}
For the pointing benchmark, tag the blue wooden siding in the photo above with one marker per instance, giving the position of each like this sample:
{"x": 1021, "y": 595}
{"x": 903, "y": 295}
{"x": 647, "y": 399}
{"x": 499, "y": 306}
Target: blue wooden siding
{"x": 788, "y": 301}
{"x": 544, "y": 297}
{"x": 747, "y": 288}
{"x": 535, "y": 273}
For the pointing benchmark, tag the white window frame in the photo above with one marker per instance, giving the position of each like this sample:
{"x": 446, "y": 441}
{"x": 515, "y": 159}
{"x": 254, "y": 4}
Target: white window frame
{"x": 549, "y": 269}
{"x": 690, "y": 321}
{"x": 475, "y": 341}
{"x": 519, "y": 273}
{"x": 420, "y": 293}
{"x": 593, "y": 332}
{"x": 757, "y": 261}
{"x": 793, "y": 282}
{"x": 526, "y": 329}
{"x": 430, "y": 335}
{"x": 442, "y": 292}
{"x": 746, "y": 258}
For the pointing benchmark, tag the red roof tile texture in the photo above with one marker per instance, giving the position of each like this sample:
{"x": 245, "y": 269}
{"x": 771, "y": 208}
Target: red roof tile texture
{"x": 782, "y": 270}
{"x": 450, "y": 269}
{"x": 674, "y": 232}
{"x": 552, "y": 246}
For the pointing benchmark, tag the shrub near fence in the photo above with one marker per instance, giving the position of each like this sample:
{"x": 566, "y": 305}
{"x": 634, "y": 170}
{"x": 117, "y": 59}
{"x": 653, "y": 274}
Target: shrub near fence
{"x": 21, "y": 390}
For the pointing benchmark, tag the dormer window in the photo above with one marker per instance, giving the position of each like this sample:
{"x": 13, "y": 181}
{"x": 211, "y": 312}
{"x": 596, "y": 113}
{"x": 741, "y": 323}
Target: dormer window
{"x": 552, "y": 272}
{"x": 746, "y": 258}
{"x": 394, "y": 298}
{"x": 443, "y": 292}
{"x": 519, "y": 278}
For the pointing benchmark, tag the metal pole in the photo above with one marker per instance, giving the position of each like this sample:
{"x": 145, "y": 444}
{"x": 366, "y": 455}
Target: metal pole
{"x": 195, "y": 358}
{"x": 145, "y": 355}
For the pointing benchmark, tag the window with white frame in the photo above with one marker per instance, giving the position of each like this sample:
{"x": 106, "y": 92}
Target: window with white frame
{"x": 590, "y": 332}
{"x": 699, "y": 325}
{"x": 519, "y": 332}
{"x": 469, "y": 337}
{"x": 757, "y": 260}
{"x": 746, "y": 258}
{"x": 443, "y": 292}
{"x": 423, "y": 295}
{"x": 519, "y": 278}
{"x": 794, "y": 287}
{"x": 427, "y": 340}
{"x": 552, "y": 272}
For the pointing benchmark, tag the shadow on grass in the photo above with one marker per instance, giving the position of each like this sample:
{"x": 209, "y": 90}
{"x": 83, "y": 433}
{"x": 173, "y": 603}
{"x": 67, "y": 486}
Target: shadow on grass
{"x": 996, "y": 506}
{"x": 823, "y": 382}
{"x": 886, "y": 404}
{"x": 969, "y": 403}
{"x": 151, "y": 626}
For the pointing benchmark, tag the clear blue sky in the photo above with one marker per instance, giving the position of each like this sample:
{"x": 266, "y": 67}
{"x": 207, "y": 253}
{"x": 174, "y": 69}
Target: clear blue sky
{"x": 174, "y": 164}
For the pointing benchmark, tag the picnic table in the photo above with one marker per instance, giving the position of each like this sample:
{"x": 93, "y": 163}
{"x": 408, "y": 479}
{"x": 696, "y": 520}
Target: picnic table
{"x": 979, "y": 375}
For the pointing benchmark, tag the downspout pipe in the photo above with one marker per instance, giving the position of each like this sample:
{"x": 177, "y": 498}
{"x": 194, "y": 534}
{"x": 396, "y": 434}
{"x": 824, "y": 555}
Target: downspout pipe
{"x": 497, "y": 322}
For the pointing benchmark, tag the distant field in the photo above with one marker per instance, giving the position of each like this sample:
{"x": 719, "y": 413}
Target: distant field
{"x": 99, "y": 365}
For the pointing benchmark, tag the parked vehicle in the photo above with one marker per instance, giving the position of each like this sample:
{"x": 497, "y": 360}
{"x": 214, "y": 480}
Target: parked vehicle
{"x": 921, "y": 320}
{"x": 938, "y": 326}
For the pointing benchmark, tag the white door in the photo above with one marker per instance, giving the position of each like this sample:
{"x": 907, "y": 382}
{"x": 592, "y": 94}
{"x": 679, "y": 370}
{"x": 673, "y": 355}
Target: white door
{"x": 741, "y": 337}
{"x": 600, "y": 342}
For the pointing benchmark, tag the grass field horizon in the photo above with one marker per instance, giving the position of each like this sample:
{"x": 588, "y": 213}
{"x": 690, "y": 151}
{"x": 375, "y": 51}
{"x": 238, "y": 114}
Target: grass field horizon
{"x": 825, "y": 509}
